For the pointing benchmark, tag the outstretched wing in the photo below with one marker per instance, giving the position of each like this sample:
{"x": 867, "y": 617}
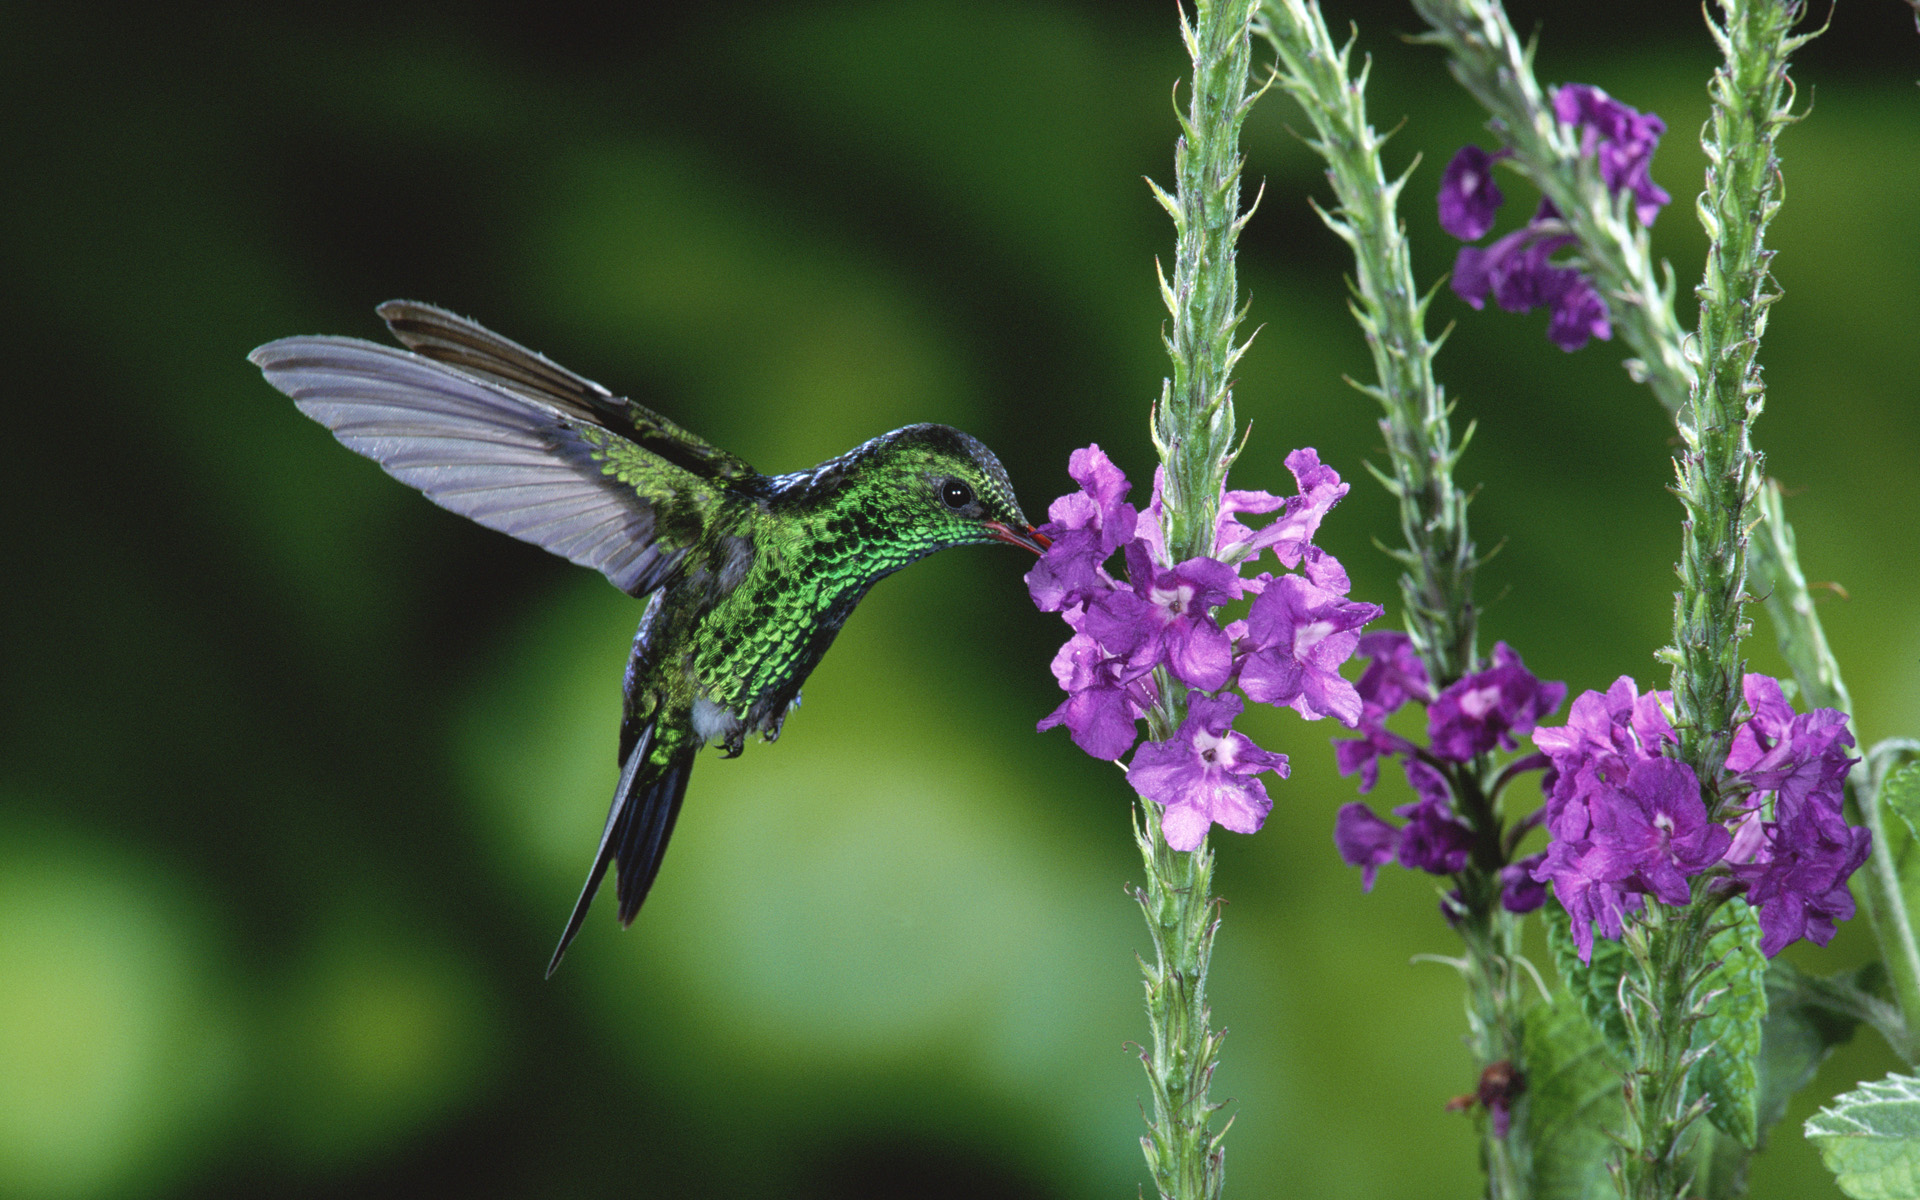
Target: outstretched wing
{"x": 477, "y": 350}
{"x": 517, "y": 444}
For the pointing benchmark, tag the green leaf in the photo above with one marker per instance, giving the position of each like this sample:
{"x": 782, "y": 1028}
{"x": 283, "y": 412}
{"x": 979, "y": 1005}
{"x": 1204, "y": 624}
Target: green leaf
{"x": 1595, "y": 984}
{"x": 1870, "y": 1139}
{"x": 1731, "y": 1024}
{"x": 1572, "y": 1102}
{"x": 1807, "y": 1017}
{"x": 1900, "y": 792}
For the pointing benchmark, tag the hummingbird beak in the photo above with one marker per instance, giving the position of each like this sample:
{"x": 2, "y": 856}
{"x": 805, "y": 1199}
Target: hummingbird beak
{"x": 1032, "y": 539}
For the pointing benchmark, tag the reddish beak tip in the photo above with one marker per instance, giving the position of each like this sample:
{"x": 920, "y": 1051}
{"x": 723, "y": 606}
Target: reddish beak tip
{"x": 1032, "y": 539}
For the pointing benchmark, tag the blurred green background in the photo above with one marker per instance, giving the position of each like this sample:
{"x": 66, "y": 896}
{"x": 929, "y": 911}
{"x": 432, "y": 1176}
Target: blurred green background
{"x": 299, "y": 774}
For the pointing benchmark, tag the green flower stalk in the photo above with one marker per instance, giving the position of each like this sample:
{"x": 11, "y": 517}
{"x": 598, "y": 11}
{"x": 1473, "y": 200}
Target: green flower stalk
{"x": 1713, "y": 389}
{"x": 1439, "y": 557}
{"x": 1194, "y": 430}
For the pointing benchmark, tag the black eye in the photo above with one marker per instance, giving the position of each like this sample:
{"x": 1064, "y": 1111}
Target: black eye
{"x": 954, "y": 493}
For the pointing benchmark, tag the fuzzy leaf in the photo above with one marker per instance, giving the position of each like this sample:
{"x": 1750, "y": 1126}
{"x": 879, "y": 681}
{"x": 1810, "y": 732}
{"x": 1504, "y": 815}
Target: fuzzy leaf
{"x": 1729, "y": 1074}
{"x": 1572, "y": 1102}
{"x": 1595, "y": 984}
{"x": 1870, "y": 1139}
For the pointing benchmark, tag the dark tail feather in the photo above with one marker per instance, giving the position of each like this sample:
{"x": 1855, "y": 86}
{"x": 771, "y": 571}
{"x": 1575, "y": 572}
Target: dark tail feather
{"x": 645, "y": 804}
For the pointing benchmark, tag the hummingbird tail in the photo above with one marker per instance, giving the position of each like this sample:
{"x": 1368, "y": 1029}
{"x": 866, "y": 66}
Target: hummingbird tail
{"x": 653, "y": 782}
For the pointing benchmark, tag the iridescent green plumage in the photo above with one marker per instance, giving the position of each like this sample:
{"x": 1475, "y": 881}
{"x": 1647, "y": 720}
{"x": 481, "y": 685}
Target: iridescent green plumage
{"x": 748, "y": 577}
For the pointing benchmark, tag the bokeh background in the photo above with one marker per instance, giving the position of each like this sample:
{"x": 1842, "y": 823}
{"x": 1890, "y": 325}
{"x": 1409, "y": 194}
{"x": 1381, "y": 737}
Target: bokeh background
{"x": 299, "y": 774}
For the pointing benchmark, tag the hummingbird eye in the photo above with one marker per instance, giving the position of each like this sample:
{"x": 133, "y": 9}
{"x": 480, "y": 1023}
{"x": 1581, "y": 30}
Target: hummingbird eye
{"x": 955, "y": 493}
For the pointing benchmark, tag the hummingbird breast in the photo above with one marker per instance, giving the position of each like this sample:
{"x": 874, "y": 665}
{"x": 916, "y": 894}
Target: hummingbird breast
{"x": 750, "y": 652}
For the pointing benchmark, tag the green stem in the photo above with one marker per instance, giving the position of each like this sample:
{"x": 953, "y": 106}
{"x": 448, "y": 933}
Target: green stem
{"x": 1193, "y": 429}
{"x": 1496, "y": 68}
{"x": 1662, "y": 1006}
{"x": 1439, "y": 557}
{"x": 1184, "y": 1155}
{"x": 1803, "y": 641}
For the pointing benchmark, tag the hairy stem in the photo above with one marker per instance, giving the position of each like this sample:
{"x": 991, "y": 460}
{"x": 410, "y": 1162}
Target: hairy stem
{"x": 1193, "y": 429}
{"x": 1439, "y": 557}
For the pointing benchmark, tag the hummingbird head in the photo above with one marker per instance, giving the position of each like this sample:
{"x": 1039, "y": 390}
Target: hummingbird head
{"x": 932, "y": 486}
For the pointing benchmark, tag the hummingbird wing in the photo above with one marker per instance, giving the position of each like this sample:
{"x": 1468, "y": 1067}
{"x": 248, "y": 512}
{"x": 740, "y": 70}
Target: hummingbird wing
{"x": 477, "y": 350}
{"x": 495, "y": 432}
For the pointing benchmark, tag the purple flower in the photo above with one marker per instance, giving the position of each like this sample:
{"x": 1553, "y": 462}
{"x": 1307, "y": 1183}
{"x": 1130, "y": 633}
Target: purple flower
{"x": 1395, "y": 672}
{"x": 1800, "y": 889}
{"x": 1626, "y": 821}
{"x": 1802, "y": 758}
{"x": 1434, "y": 839}
{"x": 1086, "y": 527}
{"x": 1520, "y": 892}
{"x": 1619, "y": 837}
{"x": 1204, "y": 774}
{"x": 1604, "y": 733}
{"x": 1490, "y": 707}
{"x": 1105, "y": 697}
{"x": 1166, "y": 617}
{"x": 1295, "y": 638}
{"x": 1364, "y": 841}
{"x": 1518, "y": 271}
{"x": 1579, "y": 314}
{"x": 1469, "y": 199}
{"x": 1394, "y": 675}
{"x": 1621, "y": 139}
{"x": 1653, "y": 831}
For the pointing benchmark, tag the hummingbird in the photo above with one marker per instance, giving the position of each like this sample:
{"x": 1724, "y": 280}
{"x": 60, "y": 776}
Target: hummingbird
{"x": 746, "y": 577}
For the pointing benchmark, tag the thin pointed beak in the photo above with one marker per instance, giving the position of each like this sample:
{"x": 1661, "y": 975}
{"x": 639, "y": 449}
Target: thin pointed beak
{"x": 1032, "y": 539}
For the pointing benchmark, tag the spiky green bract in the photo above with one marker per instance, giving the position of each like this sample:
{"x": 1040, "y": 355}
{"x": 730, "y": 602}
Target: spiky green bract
{"x": 1193, "y": 429}
{"x": 1439, "y": 558}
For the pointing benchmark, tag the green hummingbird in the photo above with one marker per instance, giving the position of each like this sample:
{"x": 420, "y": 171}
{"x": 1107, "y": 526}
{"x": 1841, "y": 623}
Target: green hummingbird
{"x": 747, "y": 577}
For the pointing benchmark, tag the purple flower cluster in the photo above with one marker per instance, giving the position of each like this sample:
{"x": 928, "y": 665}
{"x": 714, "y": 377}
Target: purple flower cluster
{"x": 1518, "y": 270}
{"x": 1626, "y": 820}
{"x": 1484, "y": 710}
{"x": 1287, "y": 650}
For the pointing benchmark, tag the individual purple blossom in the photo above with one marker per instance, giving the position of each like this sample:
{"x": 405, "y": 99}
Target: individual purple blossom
{"x": 1296, "y": 636}
{"x": 1489, "y": 707}
{"x": 1653, "y": 832}
{"x": 1519, "y": 273}
{"x": 1801, "y": 757}
{"x": 1205, "y": 774}
{"x": 1364, "y": 841}
{"x": 1799, "y": 889}
{"x": 1085, "y": 527}
{"x": 1469, "y": 198}
{"x": 1520, "y": 892}
{"x": 1434, "y": 839}
{"x": 1394, "y": 675}
{"x": 1105, "y": 698}
{"x": 1288, "y": 535}
{"x": 1166, "y": 617}
{"x": 1620, "y": 138}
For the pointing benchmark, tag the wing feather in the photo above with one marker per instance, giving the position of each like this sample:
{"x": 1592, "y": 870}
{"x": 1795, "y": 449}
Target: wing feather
{"x": 471, "y": 347}
{"x": 530, "y": 465}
